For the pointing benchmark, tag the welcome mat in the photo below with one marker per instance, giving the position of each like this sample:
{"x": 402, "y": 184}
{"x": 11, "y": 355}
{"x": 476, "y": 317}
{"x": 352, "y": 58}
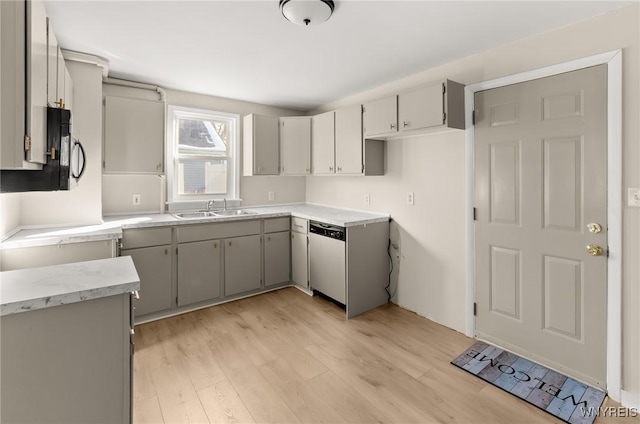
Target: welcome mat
{"x": 555, "y": 393}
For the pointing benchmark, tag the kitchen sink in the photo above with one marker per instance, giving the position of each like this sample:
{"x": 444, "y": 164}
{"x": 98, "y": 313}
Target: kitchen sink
{"x": 198, "y": 214}
{"x": 233, "y": 212}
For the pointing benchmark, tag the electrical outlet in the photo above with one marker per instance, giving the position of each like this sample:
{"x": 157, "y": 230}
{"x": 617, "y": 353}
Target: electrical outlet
{"x": 410, "y": 198}
{"x": 136, "y": 200}
{"x": 633, "y": 197}
{"x": 272, "y": 195}
{"x": 367, "y": 199}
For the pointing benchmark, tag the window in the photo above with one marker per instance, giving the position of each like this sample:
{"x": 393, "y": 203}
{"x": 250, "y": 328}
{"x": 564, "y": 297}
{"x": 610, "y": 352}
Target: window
{"x": 202, "y": 155}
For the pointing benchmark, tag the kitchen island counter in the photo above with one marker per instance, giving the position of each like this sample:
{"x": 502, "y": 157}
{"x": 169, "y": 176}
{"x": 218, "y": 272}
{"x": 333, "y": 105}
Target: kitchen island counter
{"x": 44, "y": 287}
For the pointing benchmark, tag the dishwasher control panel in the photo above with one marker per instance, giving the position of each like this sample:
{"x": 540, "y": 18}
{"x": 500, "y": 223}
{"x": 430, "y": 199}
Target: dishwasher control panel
{"x": 327, "y": 230}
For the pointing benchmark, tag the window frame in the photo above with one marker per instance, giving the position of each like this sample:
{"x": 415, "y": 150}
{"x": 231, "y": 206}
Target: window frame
{"x": 174, "y": 113}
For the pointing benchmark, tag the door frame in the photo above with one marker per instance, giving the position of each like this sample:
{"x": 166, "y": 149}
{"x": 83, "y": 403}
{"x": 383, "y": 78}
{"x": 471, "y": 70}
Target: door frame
{"x": 613, "y": 60}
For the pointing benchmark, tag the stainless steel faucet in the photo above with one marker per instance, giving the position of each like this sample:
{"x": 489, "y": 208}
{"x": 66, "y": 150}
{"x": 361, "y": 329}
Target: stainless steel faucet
{"x": 209, "y": 205}
{"x": 225, "y": 204}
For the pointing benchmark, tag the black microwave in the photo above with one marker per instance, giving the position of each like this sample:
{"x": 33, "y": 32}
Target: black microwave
{"x": 65, "y": 160}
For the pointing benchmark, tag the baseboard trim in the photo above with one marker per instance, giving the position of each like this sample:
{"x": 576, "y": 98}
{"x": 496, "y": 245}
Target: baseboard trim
{"x": 630, "y": 399}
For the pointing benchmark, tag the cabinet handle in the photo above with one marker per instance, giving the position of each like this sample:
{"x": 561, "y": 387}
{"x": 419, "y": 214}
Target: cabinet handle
{"x": 166, "y": 251}
{"x": 339, "y": 169}
{"x": 215, "y": 245}
{"x": 392, "y": 126}
{"x": 331, "y": 168}
{"x": 268, "y": 238}
{"x": 406, "y": 124}
{"x": 229, "y": 244}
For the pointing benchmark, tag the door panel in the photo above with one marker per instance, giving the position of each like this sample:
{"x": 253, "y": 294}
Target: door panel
{"x": 540, "y": 161}
{"x": 562, "y": 300}
{"x": 505, "y": 182}
{"x": 505, "y": 281}
{"x": 562, "y": 183}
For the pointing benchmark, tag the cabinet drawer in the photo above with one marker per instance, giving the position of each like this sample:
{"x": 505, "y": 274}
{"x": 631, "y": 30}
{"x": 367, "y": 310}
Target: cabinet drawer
{"x": 187, "y": 233}
{"x": 275, "y": 225}
{"x": 299, "y": 225}
{"x": 146, "y": 237}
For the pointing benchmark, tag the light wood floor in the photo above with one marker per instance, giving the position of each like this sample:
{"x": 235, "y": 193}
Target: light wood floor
{"x": 285, "y": 357}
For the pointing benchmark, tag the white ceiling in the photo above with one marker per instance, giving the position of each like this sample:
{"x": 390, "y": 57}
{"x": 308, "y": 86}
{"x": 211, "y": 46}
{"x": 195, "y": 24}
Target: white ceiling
{"x": 246, "y": 50}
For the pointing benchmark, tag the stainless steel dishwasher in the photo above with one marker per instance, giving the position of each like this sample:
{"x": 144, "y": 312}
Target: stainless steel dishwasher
{"x": 327, "y": 253}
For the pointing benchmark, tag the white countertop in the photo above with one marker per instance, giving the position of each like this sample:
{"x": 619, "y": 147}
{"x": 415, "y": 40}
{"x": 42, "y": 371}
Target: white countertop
{"x": 28, "y": 289}
{"x": 112, "y": 226}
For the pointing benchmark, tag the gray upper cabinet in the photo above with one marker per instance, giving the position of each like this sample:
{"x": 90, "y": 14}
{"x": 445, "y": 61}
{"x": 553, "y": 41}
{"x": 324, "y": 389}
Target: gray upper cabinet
{"x": 295, "y": 145}
{"x": 380, "y": 117}
{"x": 37, "y": 79}
{"x": 435, "y": 105}
{"x": 199, "y": 271}
{"x": 12, "y": 85}
{"x": 261, "y": 151}
{"x": 33, "y": 77}
{"x": 348, "y": 124}
{"x": 133, "y": 135}
{"x": 323, "y": 144}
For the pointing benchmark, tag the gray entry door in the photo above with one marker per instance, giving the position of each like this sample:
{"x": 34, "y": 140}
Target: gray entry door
{"x": 540, "y": 177}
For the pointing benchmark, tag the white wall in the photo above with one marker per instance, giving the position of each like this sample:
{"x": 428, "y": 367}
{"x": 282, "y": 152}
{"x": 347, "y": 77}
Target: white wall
{"x": 9, "y": 212}
{"x": 118, "y": 188}
{"x": 431, "y": 278}
{"x": 81, "y": 205}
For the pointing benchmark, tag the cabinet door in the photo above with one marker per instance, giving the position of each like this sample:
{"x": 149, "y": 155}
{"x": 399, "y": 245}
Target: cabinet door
{"x": 154, "y": 268}
{"x": 323, "y": 143}
{"x": 241, "y": 264}
{"x": 295, "y": 145}
{"x": 261, "y": 145}
{"x": 12, "y": 85}
{"x": 380, "y": 117}
{"x": 60, "y": 71}
{"x": 37, "y": 57}
{"x": 349, "y": 140}
{"x": 300, "y": 259}
{"x": 68, "y": 91}
{"x": 276, "y": 258}
{"x": 52, "y": 66}
{"x": 421, "y": 108}
{"x": 133, "y": 135}
{"x": 199, "y": 271}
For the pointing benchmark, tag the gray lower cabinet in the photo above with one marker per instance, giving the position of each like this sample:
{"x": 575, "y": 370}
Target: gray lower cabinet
{"x": 242, "y": 264}
{"x": 199, "y": 271}
{"x": 300, "y": 252}
{"x": 151, "y": 251}
{"x": 276, "y": 258}
{"x": 69, "y": 363}
{"x": 154, "y": 268}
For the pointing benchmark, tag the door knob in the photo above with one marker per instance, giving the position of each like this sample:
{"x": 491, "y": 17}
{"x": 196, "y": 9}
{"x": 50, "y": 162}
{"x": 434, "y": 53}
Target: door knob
{"x": 594, "y": 250}
{"x": 594, "y": 227}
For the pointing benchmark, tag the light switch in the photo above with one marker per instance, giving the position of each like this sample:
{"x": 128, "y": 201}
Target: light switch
{"x": 367, "y": 199}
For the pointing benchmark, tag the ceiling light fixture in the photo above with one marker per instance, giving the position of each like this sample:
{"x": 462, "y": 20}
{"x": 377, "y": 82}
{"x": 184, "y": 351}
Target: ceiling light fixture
{"x": 306, "y": 12}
